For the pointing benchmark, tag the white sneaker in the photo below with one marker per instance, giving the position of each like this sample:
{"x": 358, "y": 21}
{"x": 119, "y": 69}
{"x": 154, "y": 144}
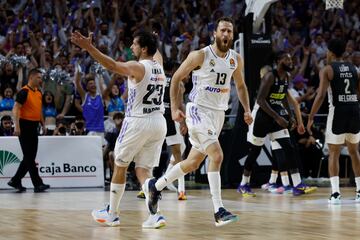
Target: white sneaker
{"x": 335, "y": 198}
{"x": 171, "y": 187}
{"x": 155, "y": 221}
{"x": 357, "y": 198}
{"x": 104, "y": 218}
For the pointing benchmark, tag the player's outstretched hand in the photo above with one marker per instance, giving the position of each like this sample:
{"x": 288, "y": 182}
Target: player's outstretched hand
{"x": 178, "y": 115}
{"x": 82, "y": 41}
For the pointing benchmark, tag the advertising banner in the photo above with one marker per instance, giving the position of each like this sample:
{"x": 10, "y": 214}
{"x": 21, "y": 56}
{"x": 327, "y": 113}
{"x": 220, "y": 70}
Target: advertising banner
{"x": 63, "y": 161}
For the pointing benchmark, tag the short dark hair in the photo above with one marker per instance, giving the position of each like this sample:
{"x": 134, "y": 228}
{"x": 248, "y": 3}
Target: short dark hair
{"x": 223, "y": 19}
{"x": 119, "y": 115}
{"x": 337, "y": 46}
{"x": 89, "y": 77}
{"x": 34, "y": 71}
{"x": 147, "y": 39}
{"x": 6, "y": 118}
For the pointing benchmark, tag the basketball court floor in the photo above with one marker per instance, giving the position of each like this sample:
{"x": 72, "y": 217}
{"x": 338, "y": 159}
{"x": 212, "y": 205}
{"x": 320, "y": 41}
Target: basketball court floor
{"x": 65, "y": 214}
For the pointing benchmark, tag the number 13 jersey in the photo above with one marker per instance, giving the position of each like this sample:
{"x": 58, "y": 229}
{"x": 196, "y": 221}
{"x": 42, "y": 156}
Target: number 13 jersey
{"x": 211, "y": 82}
{"x": 146, "y": 97}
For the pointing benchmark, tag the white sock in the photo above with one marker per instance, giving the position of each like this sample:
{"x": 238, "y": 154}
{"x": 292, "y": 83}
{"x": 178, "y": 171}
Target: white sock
{"x": 273, "y": 178}
{"x": 296, "y": 179}
{"x": 169, "y": 167}
{"x": 285, "y": 180}
{"x": 215, "y": 189}
{"x": 357, "y": 181}
{"x": 245, "y": 180}
{"x": 181, "y": 184}
{"x": 335, "y": 184}
{"x": 116, "y": 193}
{"x": 175, "y": 173}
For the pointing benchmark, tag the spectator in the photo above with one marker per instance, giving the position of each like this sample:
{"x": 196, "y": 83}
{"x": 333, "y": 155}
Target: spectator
{"x": 7, "y": 101}
{"x": 6, "y": 128}
{"x": 61, "y": 128}
{"x": 49, "y": 112}
{"x": 78, "y": 127}
{"x": 92, "y": 104}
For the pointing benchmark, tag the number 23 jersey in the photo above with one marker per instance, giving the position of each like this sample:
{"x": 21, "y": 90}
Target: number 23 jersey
{"x": 146, "y": 97}
{"x": 211, "y": 82}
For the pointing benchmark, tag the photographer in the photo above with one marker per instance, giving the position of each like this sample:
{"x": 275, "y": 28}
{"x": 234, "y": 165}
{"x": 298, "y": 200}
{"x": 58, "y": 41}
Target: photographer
{"x": 78, "y": 127}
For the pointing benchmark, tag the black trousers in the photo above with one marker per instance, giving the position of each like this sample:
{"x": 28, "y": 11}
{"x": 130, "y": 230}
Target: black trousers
{"x": 29, "y": 144}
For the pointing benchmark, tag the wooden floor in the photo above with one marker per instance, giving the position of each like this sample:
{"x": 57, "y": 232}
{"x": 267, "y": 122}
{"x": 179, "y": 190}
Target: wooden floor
{"x": 65, "y": 214}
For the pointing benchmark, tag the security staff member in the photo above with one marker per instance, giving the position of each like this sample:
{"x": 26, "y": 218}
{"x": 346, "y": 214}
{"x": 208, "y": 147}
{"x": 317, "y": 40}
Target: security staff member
{"x": 27, "y": 114}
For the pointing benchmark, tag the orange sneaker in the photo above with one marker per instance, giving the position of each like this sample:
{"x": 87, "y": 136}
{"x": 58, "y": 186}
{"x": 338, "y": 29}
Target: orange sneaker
{"x": 182, "y": 196}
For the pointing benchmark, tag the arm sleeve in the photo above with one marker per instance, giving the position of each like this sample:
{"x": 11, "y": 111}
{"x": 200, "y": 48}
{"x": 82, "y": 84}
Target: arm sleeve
{"x": 21, "y": 96}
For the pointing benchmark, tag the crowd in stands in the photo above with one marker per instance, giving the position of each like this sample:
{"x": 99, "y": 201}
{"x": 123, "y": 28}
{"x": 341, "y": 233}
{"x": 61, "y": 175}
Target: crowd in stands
{"x": 35, "y": 33}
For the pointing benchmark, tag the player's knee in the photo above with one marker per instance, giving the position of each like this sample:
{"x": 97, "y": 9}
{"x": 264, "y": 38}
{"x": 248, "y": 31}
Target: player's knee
{"x": 217, "y": 158}
{"x": 193, "y": 165}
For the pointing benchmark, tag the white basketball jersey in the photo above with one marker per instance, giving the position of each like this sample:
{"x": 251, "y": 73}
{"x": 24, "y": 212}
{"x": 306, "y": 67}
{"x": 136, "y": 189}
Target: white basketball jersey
{"x": 146, "y": 97}
{"x": 211, "y": 83}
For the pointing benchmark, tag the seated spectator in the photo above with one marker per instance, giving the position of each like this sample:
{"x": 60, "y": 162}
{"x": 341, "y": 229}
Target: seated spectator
{"x": 6, "y": 128}
{"x": 78, "y": 127}
{"x": 301, "y": 93}
{"x": 49, "y": 112}
{"x": 7, "y": 101}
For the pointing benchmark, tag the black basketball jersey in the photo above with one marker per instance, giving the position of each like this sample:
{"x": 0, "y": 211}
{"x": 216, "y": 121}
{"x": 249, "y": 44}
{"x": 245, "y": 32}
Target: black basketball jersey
{"x": 278, "y": 92}
{"x": 343, "y": 86}
{"x": 167, "y": 95}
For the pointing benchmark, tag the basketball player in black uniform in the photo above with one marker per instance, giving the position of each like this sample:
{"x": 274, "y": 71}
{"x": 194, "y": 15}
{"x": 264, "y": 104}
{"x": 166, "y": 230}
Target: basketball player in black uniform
{"x": 341, "y": 80}
{"x": 271, "y": 113}
{"x": 175, "y": 132}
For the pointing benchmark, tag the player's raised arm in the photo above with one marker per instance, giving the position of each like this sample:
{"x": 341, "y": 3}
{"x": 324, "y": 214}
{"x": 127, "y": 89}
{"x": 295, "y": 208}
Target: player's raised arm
{"x": 193, "y": 61}
{"x": 131, "y": 68}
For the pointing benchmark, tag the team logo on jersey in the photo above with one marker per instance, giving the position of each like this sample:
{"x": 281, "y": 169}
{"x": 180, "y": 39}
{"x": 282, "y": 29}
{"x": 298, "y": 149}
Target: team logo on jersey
{"x": 212, "y": 62}
{"x": 232, "y": 63}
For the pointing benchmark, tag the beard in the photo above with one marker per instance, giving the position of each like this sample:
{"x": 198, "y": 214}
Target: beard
{"x": 222, "y": 46}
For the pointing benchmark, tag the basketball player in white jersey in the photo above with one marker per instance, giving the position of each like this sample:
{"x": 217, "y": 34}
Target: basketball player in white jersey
{"x": 144, "y": 127}
{"x": 212, "y": 67}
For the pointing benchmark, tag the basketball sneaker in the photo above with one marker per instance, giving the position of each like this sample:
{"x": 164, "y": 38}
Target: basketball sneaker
{"x": 141, "y": 194}
{"x": 223, "y": 217}
{"x": 245, "y": 190}
{"x": 154, "y": 221}
{"x": 288, "y": 189}
{"x": 357, "y": 198}
{"x": 267, "y": 185}
{"x": 335, "y": 198}
{"x": 182, "y": 196}
{"x": 302, "y": 188}
{"x": 153, "y": 195}
{"x": 274, "y": 188}
{"x": 103, "y": 217}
